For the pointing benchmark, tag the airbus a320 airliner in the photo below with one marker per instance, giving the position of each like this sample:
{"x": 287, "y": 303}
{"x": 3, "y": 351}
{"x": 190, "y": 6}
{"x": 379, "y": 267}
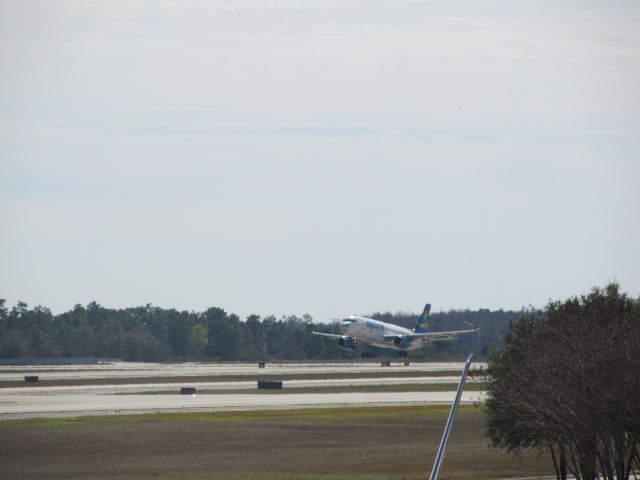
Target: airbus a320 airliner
{"x": 356, "y": 329}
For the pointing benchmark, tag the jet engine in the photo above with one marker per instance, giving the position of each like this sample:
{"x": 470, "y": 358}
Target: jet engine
{"x": 347, "y": 342}
{"x": 401, "y": 341}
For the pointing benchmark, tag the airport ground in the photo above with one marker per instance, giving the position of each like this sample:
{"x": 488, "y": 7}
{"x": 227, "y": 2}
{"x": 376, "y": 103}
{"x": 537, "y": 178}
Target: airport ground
{"x": 390, "y": 429}
{"x": 126, "y": 388}
{"x": 310, "y": 444}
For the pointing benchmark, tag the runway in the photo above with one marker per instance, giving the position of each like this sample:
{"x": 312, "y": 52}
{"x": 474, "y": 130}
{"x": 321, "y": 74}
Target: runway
{"x": 69, "y": 405}
{"x": 22, "y": 401}
{"x": 142, "y": 370}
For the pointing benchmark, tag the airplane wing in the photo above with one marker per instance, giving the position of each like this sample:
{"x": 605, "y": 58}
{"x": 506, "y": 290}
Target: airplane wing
{"x": 344, "y": 341}
{"x": 332, "y": 335}
{"x": 443, "y": 335}
{"x": 434, "y": 336}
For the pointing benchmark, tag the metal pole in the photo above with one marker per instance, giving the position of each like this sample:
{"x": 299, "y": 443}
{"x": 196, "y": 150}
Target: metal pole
{"x": 445, "y": 436}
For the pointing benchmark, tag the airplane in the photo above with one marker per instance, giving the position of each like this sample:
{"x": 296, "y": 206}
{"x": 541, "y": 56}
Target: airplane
{"x": 356, "y": 329}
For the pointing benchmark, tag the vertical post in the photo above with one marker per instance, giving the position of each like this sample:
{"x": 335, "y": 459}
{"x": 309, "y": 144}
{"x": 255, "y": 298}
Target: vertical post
{"x": 447, "y": 429}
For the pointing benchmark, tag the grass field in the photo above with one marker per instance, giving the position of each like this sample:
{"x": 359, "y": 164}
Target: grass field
{"x": 307, "y": 444}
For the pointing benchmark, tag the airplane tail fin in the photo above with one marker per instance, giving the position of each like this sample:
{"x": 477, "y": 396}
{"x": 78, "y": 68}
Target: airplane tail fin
{"x": 422, "y": 325}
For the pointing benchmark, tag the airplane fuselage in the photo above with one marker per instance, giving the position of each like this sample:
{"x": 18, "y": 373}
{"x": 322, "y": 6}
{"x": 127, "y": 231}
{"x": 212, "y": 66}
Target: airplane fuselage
{"x": 372, "y": 332}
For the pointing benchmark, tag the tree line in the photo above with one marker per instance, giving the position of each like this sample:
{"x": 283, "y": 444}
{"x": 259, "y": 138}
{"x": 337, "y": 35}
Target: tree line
{"x": 151, "y": 333}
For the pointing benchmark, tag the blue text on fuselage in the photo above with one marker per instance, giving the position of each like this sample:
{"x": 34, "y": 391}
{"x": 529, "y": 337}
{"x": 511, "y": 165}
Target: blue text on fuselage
{"x": 374, "y": 326}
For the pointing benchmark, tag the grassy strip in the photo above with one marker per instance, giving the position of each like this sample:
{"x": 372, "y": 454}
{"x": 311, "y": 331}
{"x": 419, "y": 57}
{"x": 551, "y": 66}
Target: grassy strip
{"x": 321, "y": 476}
{"x": 311, "y": 414}
{"x": 382, "y": 373}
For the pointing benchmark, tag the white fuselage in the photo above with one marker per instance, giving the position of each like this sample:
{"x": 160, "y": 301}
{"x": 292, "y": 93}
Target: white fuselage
{"x": 372, "y": 332}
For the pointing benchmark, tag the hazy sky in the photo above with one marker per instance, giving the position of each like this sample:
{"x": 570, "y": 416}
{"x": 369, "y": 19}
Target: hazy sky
{"x": 329, "y": 157}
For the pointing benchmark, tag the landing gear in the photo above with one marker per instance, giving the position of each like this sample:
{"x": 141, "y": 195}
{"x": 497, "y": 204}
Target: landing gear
{"x": 365, "y": 354}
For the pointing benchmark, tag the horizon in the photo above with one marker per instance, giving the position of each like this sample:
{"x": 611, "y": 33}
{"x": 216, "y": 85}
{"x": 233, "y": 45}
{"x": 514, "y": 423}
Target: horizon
{"x": 434, "y": 311}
